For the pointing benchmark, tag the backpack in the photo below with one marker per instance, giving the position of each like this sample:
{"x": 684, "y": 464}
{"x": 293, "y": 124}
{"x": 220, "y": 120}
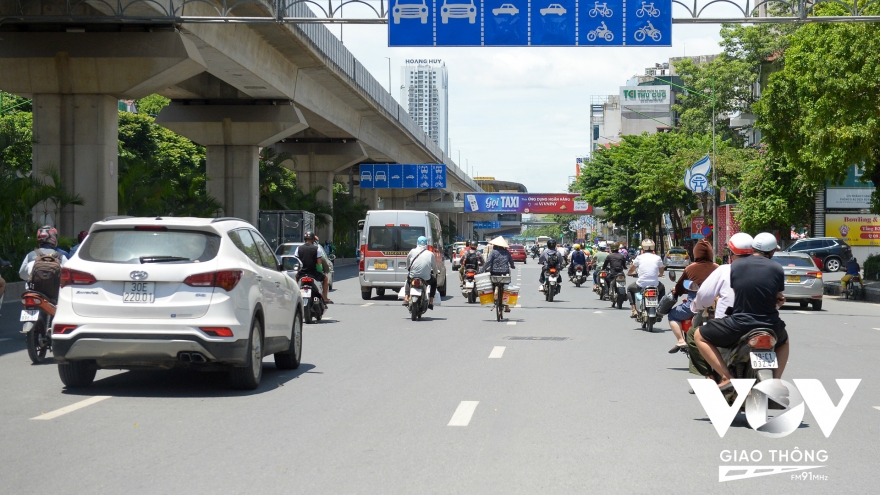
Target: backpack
{"x": 46, "y": 275}
{"x": 552, "y": 259}
{"x": 471, "y": 259}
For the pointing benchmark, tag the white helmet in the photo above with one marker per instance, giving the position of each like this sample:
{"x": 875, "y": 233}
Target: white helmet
{"x": 764, "y": 242}
{"x": 740, "y": 244}
{"x": 648, "y": 245}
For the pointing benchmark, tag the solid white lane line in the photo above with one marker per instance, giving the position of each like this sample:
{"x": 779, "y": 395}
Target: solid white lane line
{"x": 511, "y": 323}
{"x": 497, "y": 352}
{"x": 73, "y": 407}
{"x": 463, "y": 413}
{"x": 365, "y": 305}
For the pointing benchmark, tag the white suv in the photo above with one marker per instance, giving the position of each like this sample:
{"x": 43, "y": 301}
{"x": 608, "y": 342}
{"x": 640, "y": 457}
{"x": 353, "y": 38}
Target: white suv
{"x": 164, "y": 292}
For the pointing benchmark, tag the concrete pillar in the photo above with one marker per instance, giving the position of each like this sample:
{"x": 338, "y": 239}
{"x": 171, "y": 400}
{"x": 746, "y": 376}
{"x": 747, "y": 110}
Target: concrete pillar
{"x": 78, "y": 135}
{"x": 233, "y": 135}
{"x": 317, "y": 163}
{"x": 234, "y": 179}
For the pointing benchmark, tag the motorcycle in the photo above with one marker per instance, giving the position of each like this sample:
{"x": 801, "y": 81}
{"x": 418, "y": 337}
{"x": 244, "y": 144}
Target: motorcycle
{"x": 602, "y": 32}
{"x": 649, "y": 31}
{"x": 647, "y": 300}
{"x": 313, "y": 300}
{"x": 37, "y": 317}
{"x": 551, "y": 284}
{"x": 754, "y": 356}
{"x": 601, "y": 288}
{"x": 418, "y": 298}
{"x": 579, "y": 275}
{"x": 468, "y": 289}
{"x": 618, "y": 290}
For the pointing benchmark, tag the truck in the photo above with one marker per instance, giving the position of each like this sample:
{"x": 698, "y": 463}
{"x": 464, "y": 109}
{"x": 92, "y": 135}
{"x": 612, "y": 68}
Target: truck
{"x": 281, "y": 226}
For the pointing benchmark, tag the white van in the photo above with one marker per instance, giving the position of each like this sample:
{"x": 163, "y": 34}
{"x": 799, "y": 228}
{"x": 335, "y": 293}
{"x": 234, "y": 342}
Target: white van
{"x": 386, "y": 240}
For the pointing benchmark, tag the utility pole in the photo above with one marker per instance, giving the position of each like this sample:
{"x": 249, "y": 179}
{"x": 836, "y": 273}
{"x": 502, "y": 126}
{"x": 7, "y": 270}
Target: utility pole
{"x": 389, "y": 75}
{"x": 714, "y": 178}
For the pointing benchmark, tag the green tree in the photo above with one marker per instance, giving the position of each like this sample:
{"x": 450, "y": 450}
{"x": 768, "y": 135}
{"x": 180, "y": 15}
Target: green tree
{"x": 773, "y": 196}
{"x": 151, "y": 105}
{"x": 820, "y": 111}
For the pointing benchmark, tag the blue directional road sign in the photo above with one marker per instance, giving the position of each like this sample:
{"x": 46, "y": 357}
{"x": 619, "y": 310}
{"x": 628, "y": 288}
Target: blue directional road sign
{"x": 530, "y": 23}
{"x": 487, "y": 225}
{"x": 396, "y": 176}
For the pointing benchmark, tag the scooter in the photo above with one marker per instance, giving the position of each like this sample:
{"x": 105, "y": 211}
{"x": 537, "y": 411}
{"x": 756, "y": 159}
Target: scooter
{"x": 601, "y": 287}
{"x": 579, "y": 276}
{"x": 37, "y": 317}
{"x": 313, "y": 301}
{"x": 646, "y": 307}
{"x": 468, "y": 289}
{"x": 418, "y": 298}
{"x": 618, "y": 290}
{"x": 551, "y": 284}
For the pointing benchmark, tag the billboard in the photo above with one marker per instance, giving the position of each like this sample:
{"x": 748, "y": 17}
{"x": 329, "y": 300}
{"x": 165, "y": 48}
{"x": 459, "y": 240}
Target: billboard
{"x": 525, "y": 203}
{"x": 855, "y": 198}
{"x": 856, "y": 230}
{"x": 634, "y": 96}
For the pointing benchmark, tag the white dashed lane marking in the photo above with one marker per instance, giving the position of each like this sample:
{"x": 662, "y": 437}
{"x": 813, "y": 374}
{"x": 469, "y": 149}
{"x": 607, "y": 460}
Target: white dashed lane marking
{"x": 365, "y": 305}
{"x": 464, "y": 413}
{"x": 497, "y": 352}
{"x": 597, "y": 312}
{"x": 877, "y": 408}
{"x": 511, "y": 323}
{"x": 73, "y": 407}
{"x": 5, "y": 339}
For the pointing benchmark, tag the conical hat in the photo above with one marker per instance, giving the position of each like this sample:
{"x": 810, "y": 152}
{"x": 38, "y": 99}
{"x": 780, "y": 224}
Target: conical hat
{"x": 500, "y": 242}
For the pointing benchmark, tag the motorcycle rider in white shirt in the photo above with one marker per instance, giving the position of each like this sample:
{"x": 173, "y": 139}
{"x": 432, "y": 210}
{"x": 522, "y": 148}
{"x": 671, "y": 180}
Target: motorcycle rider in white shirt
{"x": 650, "y": 269}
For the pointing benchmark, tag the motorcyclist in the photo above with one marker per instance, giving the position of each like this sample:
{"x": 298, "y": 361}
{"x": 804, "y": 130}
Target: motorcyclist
{"x": 422, "y": 266}
{"x": 499, "y": 262}
{"x": 614, "y": 264}
{"x": 598, "y": 262}
{"x": 79, "y": 240}
{"x": 758, "y": 284}
{"x": 578, "y": 258}
{"x": 47, "y": 239}
{"x": 471, "y": 259}
{"x": 311, "y": 254}
{"x": 852, "y": 270}
{"x": 545, "y": 261}
{"x": 650, "y": 269}
{"x": 698, "y": 271}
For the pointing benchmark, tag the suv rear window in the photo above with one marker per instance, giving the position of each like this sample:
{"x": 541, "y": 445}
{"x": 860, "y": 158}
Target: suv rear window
{"x": 129, "y": 246}
{"x": 677, "y": 251}
{"x": 386, "y": 238}
{"x": 793, "y": 261}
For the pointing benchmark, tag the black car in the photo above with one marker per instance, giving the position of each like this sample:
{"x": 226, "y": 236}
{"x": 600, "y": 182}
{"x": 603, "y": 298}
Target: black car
{"x": 834, "y": 253}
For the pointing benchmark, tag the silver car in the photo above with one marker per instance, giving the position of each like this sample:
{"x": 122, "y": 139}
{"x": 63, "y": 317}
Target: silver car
{"x": 803, "y": 279}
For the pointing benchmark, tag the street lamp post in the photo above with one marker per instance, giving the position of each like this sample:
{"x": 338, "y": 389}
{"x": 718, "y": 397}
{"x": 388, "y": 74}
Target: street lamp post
{"x": 389, "y": 74}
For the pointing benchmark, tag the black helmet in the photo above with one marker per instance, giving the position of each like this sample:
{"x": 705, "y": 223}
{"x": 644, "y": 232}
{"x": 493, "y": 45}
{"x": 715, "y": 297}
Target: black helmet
{"x": 474, "y": 244}
{"x": 309, "y": 236}
{"x": 551, "y": 244}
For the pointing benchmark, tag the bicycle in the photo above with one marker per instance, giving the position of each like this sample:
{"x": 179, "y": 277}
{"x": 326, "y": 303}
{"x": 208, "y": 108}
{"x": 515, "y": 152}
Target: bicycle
{"x": 648, "y": 8}
{"x": 853, "y": 291}
{"x": 498, "y": 283}
{"x": 603, "y": 11}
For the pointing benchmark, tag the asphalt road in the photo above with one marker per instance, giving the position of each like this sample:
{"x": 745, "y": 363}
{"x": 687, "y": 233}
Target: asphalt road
{"x": 577, "y": 399}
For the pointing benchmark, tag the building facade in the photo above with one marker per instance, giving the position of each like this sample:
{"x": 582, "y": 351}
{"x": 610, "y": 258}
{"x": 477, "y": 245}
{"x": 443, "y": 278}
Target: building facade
{"x": 425, "y": 93}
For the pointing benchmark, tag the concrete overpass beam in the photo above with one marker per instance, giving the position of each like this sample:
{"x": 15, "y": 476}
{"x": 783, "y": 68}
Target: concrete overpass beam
{"x": 317, "y": 163}
{"x": 78, "y": 135}
{"x": 233, "y": 135}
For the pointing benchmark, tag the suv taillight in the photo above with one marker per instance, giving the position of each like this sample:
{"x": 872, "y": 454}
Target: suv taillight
{"x": 224, "y": 279}
{"x": 75, "y": 277}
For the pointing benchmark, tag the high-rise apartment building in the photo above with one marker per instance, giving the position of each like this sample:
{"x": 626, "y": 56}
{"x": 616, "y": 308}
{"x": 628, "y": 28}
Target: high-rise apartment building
{"x": 425, "y": 91}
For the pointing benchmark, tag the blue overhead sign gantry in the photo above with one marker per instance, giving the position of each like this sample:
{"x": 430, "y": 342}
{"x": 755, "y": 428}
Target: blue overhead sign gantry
{"x": 396, "y": 176}
{"x": 530, "y": 23}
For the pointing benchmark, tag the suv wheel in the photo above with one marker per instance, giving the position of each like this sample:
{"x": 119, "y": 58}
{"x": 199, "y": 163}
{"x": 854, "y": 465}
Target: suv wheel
{"x": 817, "y": 305}
{"x": 248, "y": 377}
{"x": 832, "y": 264}
{"x": 77, "y": 374}
{"x": 290, "y": 359}
{"x": 365, "y": 293}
